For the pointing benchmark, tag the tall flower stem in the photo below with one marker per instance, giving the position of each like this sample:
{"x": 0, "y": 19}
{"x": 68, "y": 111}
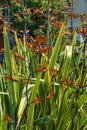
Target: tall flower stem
{"x": 72, "y": 14}
{"x": 49, "y": 28}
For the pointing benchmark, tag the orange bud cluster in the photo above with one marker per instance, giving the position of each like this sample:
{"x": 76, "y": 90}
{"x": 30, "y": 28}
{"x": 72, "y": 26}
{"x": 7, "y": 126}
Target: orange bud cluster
{"x": 10, "y": 77}
{"x": 19, "y": 56}
{"x": 84, "y": 31}
{"x": 37, "y": 100}
{"x": 37, "y": 45}
{"x": 8, "y": 118}
{"x": 67, "y": 82}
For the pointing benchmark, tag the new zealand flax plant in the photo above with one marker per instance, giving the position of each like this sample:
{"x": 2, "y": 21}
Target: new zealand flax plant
{"x": 37, "y": 94}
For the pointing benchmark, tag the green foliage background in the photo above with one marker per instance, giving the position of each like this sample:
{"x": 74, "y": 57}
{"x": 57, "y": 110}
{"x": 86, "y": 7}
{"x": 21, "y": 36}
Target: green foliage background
{"x": 50, "y": 99}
